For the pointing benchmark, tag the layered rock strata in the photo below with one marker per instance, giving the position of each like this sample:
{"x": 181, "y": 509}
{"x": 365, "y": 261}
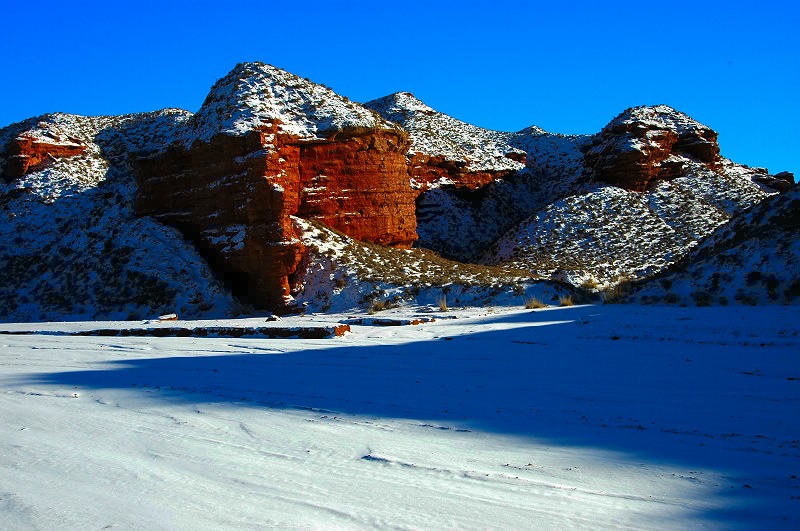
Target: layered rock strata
{"x": 646, "y": 144}
{"x": 265, "y": 147}
{"x": 27, "y": 152}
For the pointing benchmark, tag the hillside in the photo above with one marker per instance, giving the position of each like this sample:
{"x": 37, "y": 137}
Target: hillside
{"x": 754, "y": 259}
{"x": 72, "y": 247}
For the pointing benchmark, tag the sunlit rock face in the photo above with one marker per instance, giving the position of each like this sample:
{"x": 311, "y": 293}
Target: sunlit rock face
{"x": 267, "y": 146}
{"x": 646, "y": 144}
{"x": 26, "y": 152}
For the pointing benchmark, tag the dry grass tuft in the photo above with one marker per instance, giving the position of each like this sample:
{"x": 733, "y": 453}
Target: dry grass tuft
{"x": 566, "y": 300}
{"x": 533, "y": 303}
{"x": 442, "y": 303}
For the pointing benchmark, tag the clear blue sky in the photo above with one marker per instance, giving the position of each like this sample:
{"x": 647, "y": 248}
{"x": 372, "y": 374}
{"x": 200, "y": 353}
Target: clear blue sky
{"x": 568, "y": 67}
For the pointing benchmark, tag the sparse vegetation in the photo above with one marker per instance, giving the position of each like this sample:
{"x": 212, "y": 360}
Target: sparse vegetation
{"x": 532, "y": 303}
{"x": 617, "y": 294}
{"x": 566, "y": 300}
{"x": 441, "y": 302}
{"x": 703, "y": 298}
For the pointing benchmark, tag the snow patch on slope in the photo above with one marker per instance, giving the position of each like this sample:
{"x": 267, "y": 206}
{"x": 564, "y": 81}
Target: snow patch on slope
{"x": 255, "y": 95}
{"x": 436, "y": 134}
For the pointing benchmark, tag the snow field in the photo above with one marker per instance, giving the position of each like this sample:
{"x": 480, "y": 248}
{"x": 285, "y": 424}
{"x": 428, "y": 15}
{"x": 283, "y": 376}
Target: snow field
{"x": 583, "y": 417}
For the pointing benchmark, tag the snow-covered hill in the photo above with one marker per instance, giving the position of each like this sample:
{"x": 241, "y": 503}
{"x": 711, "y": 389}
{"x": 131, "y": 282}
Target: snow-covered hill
{"x": 557, "y": 217}
{"x": 605, "y": 234}
{"x": 72, "y": 247}
{"x": 754, "y": 259}
{"x": 255, "y": 94}
{"x": 532, "y": 206}
{"x": 435, "y": 134}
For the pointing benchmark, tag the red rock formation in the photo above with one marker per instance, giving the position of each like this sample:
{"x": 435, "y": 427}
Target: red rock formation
{"x": 360, "y": 186}
{"x": 646, "y": 144}
{"x": 426, "y": 170}
{"x": 26, "y": 152}
{"x": 232, "y": 196}
{"x": 235, "y": 195}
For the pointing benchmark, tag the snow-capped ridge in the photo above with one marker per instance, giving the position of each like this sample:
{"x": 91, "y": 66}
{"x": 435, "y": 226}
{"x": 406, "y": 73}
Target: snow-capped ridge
{"x": 399, "y": 104}
{"x": 255, "y": 95}
{"x": 659, "y": 116}
{"x": 435, "y": 134}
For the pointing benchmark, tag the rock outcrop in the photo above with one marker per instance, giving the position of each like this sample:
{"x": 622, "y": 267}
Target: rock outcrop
{"x": 644, "y": 145}
{"x": 447, "y": 151}
{"x": 359, "y": 184}
{"x": 781, "y": 182}
{"x": 267, "y": 146}
{"x": 26, "y": 152}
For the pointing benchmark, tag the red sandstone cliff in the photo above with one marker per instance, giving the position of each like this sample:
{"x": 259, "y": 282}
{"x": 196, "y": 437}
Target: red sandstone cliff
{"x": 267, "y": 146}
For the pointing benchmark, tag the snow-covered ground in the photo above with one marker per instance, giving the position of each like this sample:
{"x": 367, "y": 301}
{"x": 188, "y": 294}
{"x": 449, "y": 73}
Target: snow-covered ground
{"x": 577, "y": 417}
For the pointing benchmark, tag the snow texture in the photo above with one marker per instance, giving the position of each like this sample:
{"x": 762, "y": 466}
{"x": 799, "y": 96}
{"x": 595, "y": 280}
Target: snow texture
{"x": 614, "y": 417}
{"x": 751, "y": 260}
{"x": 606, "y": 235}
{"x": 255, "y": 95}
{"x": 436, "y": 134}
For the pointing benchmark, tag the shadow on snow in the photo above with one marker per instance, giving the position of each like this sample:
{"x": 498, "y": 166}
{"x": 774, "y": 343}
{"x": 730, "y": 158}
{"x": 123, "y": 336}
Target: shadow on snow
{"x": 657, "y": 400}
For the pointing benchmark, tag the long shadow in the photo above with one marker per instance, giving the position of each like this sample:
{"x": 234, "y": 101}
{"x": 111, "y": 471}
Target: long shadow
{"x": 657, "y": 401}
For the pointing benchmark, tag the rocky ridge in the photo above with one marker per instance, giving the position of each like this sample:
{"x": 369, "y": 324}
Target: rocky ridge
{"x": 269, "y": 150}
{"x": 447, "y": 151}
{"x": 646, "y": 144}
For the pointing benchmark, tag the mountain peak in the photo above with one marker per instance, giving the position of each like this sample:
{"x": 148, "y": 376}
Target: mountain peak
{"x": 399, "y": 106}
{"x": 658, "y": 117}
{"x": 256, "y": 94}
{"x": 435, "y": 134}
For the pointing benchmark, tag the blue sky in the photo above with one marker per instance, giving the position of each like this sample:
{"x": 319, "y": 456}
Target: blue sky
{"x": 568, "y": 67}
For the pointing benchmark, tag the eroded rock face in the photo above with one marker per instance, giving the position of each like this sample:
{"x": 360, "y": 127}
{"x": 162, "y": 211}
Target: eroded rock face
{"x": 646, "y": 144}
{"x": 428, "y": 171}
{"x": 26, "y": 152}
{"x": 233, "y": 196}
{"x": 267, "y": 146}
{"x": 360, "y": 186}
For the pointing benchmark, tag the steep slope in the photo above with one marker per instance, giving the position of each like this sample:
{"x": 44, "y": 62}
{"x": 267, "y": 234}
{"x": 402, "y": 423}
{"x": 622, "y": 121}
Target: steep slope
{"x": 70, "y": 244}
{"x": 267, "y": 146}
{"x": 754, "y": 259}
